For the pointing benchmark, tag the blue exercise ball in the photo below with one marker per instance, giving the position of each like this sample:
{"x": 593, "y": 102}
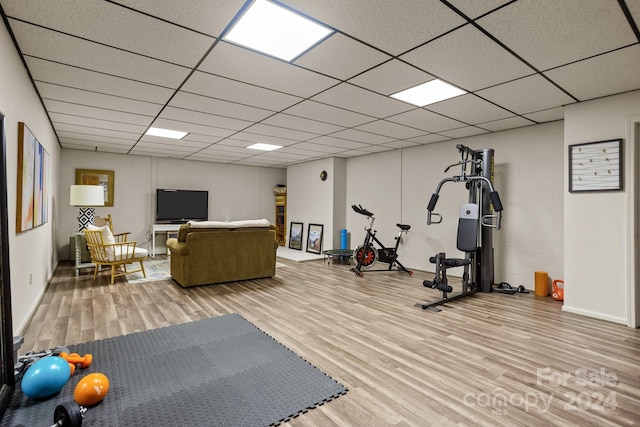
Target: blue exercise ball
{"x": 45, "y": 377}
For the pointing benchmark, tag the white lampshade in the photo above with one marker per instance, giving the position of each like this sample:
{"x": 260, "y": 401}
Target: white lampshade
{"x": 86, "y": 195}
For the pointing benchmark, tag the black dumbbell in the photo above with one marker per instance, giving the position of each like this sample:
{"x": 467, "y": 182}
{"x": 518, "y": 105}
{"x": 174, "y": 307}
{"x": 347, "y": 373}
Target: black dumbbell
{"x": 68, "y": 414}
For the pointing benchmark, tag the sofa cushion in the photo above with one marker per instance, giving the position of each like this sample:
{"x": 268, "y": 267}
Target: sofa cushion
{"x": 230, "y": 224}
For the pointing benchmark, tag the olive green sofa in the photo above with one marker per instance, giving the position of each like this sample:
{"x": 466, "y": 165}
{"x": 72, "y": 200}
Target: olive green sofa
{"x": 209, "y": 252}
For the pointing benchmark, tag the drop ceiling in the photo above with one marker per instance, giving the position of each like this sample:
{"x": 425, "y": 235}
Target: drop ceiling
{"x": 106, "y": 71}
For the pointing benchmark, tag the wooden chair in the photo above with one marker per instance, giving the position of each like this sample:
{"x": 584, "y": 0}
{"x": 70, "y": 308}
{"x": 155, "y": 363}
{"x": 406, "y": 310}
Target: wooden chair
{"x": 105, "y": 250}
{"x": 100, "y": 222}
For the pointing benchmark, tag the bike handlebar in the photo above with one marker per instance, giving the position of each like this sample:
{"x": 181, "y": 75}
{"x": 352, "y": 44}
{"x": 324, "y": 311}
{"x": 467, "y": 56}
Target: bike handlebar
{"x": 362, "y": 211}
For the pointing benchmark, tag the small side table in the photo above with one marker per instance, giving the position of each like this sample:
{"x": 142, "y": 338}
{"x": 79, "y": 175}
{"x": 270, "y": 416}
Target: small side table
{"x": 343, "y": 255}
{"x": 79, "y": 239}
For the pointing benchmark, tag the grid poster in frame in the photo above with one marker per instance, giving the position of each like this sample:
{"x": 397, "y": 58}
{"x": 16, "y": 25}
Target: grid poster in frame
{"x": 314, "y": 238}
{"x": 595, "y": 166}
{"x": 295, "y": 235}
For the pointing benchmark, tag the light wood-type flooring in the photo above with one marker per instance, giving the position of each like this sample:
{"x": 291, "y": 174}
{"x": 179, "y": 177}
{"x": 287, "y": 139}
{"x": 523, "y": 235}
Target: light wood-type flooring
{"x": 490, "y": 359}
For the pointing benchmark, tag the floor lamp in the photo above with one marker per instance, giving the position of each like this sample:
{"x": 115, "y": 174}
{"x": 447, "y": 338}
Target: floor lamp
{"x": 86, "y": 197}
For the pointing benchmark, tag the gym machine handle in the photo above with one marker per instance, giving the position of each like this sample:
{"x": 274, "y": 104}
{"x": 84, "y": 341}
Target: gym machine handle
{"x": 497, "y": 206}
{"x": 430, "y": 208}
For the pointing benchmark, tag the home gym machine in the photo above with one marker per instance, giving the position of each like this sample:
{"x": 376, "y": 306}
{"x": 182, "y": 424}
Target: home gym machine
{"x": 366, "y": 255}
{"x": 475, "y": 225}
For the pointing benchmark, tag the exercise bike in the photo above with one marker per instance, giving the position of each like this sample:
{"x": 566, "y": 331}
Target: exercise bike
{"x": 366, "y": 255}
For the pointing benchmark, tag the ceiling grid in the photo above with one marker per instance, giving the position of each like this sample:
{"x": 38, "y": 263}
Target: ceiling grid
{"x": 106, "y": 71}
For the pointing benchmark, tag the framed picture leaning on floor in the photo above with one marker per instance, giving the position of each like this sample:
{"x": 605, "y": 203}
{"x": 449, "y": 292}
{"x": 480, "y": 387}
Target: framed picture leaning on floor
{"x": 314, "y": 238}
{"x": 295, "y": 235}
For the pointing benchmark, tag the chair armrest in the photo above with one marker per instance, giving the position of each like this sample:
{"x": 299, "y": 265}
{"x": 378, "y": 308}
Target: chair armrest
{"x": 121, "y": 237}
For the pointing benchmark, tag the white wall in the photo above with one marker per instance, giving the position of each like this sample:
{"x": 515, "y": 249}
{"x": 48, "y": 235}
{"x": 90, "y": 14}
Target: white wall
{"x": 31, "y": 253}
{"x": 597, "y": 229}
{"x": 235, "y": 192}
{"x": 396, "y": 186}
{"x": 311, "y": 200}
{"x": 374, "y": 181}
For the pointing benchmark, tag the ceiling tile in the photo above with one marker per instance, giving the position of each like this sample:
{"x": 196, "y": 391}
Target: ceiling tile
{"x": 96, "y": 113}
{"x": 205, "y": 104}
{"x": 342, "y": 57}
{"x": 116, "y": 26}
{"x": 338, "y": 142}
{"x": 237, "y": 63}
{"x": 361, "y": 136}
{"x": 420, "y": 118}
{"x": 468, "y": 59}
{"x": 463, "y": 132}
{"x": 212, "y": 120}
{"x": 80, "y": 53}
{"x": 299, "y": 123}
{"x": 429, "y": 139}
{"x": 615, "y": 72}
{"x": 96, "y": 123}
{"x": 83, "y": 97}
{"x": 92, "y": 131}
{"x": 474, "y": 9}
{"x": 170, "y": 144}
{"x": 73, "y": 77}
{"x": 243, "y": 139}
{"x": 526, "y": 95}
{"x": 192, "y": 128}
{"x": 202, "y": 138}
{"x": 204, "y": 16}
{"x": 508, "y": 123}
{"x": 549, "y": 115}
{"x": 280, "y": 132}
{"x": 321, "y": 148}
{"x": 400, "y": 144}
{"x": 241, "y": 93}
{"x": 470, "y": 109}
{"x": 390, "y": 129}
{"x": 391, "y": 77}
{"x": 97, "y": 146}
{"x": 91, "y": 139}
{"x": 552, "y": 33}
{"x": 354, "y": 98}
{"x": 634, "y": 8}
{"x": 382, "y": 23}
{"x": 328, "y": 113}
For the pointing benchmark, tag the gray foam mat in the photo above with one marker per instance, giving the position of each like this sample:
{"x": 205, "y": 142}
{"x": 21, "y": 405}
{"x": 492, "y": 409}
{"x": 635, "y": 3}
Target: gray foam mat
{"x": 222, "y": 371}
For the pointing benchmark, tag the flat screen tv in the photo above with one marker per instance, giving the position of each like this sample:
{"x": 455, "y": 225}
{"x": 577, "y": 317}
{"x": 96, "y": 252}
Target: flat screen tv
{"x": 181, "y": 205}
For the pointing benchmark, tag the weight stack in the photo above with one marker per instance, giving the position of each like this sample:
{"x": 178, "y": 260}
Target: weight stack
{"x": 542, "y": 283}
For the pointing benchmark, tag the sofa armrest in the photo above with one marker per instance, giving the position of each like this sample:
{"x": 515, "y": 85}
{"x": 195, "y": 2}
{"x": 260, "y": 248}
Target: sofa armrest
{"x": 177, "y": 248}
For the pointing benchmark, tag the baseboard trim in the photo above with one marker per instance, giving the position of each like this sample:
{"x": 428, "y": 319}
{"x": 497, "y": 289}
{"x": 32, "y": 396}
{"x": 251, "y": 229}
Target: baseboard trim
{"x": 594, "y": 314}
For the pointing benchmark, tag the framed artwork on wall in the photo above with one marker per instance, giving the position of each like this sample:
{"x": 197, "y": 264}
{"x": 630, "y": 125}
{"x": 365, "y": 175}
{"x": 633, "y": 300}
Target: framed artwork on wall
{"x": 97, "y": 177}
{"x": 314, "y": 238}
{"x": 295, "y": 235}
{"x": 595, "y": 166}
{"x": 26, "y": 176}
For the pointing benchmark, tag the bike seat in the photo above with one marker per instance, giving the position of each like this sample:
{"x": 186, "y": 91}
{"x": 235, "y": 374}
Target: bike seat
{"x": 404, "y": 227}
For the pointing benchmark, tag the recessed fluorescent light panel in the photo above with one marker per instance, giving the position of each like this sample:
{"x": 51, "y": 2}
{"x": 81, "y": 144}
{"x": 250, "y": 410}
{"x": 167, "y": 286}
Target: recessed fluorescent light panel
{"x": 276, "y": 31}
{"x": 264, "y": 147}
{"x": 166, "y": 133}
{"x": 428, "y": 93}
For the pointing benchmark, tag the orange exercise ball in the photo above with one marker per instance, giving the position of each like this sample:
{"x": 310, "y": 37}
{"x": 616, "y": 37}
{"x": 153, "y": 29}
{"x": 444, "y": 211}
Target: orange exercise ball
{"x": 91, "y": 389}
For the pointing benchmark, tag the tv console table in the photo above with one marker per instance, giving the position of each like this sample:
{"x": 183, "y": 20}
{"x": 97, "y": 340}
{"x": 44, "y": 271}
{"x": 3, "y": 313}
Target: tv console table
{"x": 160, "y": 228}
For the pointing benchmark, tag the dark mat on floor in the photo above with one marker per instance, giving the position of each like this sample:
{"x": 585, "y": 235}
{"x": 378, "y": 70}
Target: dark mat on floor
{"x": 222, "y": 371}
